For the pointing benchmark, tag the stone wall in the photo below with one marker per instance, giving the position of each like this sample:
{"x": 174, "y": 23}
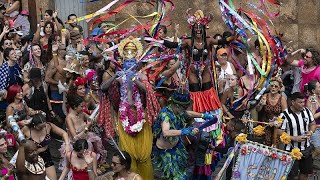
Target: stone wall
{"x": 298, "y": 19}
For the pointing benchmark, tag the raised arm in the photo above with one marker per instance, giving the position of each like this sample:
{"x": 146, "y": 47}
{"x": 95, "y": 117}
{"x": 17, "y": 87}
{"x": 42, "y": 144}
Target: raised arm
{"x": 14, "y": 7}
{"x": 107, "y": 81}
{"x": 60, "y": 132}
{"x": 57, "y": 23}
{"x": 55, "y": 60}
{"x": 169, "y": 72}
{"x": 21, "y": 160}
{"x": 4, "y": 32}
{"x": 294, "y": 62}
{"x": 36, "y": 38}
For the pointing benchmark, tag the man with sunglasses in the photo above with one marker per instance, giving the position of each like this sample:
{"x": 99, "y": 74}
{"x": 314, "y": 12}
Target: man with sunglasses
{"x": 309, "y": 65}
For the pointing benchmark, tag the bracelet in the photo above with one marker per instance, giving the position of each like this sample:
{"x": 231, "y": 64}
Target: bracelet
{"x": 89, "y": 170}
{"x": 54, "y": 54}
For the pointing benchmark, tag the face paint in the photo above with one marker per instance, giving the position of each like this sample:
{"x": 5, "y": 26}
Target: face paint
{"x": 129, "y": 63}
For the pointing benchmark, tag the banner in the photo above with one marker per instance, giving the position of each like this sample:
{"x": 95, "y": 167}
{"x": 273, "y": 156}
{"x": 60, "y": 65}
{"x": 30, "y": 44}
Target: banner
{"x": 257, "y": 161}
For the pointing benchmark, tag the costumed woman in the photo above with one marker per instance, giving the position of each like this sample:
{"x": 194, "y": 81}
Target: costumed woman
{"x": 199, "y": 72}
{"x": 270, "y": 106}
{"x": 199, "y": 68}
{"x": 135, "y": 134}
{"x": 170, "y": 154}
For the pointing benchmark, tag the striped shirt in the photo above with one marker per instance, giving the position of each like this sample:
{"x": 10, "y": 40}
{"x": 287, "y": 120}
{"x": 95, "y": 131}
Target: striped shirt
{"x": 297, "y": 124}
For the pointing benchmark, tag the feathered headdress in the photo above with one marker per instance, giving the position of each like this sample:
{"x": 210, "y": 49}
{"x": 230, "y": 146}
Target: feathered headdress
{"x": 91, "y": 75}
{"x": 198, "y": 18}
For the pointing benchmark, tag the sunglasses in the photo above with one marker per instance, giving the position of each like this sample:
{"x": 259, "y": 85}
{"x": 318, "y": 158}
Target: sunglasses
{"x": 307, "y": 57}
{"x": 8, "y": 43}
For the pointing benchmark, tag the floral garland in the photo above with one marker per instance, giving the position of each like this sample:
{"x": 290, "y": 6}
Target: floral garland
{"x": 285, "y": 138}
{"x": 259, "y": 130}
{"x": 131, "y": 124}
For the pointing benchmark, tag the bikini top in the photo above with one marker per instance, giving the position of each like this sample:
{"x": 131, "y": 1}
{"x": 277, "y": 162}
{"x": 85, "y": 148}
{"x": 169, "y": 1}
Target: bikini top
{"x": 46, "y": 141}
{"x": 199, "y": 54}
{"x": 22, "y": 114}
{"x": 79, "y": 174}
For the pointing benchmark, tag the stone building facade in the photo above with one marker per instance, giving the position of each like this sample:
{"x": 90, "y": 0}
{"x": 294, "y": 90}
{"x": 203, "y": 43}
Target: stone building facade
{"x": 298, "y": 19}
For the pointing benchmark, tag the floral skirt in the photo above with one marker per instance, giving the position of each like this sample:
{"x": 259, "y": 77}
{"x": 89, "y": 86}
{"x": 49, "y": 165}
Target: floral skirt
{"x": 172, "y": 162}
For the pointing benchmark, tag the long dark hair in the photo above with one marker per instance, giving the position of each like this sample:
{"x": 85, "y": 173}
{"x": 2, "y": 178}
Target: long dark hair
{"x": 80, "y": 144}
{"x": 74, "y": 100}
{"x": 36, "y": 120}
{"x": 315, "y": 56}
{"x": 50, "y": 12}
{"x": 312, "y": 85}
{"x": 51, "y": 25}
{"x": 125, "y": 159}
{"x": 26, "y": 58}
{"x": 7, "y": 52}
{"x": 204, "y": 37}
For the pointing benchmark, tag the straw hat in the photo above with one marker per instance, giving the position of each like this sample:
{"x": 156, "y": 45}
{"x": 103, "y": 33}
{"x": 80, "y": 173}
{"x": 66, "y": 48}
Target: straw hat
{"x": 73, "y": 66}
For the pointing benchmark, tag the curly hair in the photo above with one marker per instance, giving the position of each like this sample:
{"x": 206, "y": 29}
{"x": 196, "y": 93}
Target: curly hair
{"x": 315, "y": 56}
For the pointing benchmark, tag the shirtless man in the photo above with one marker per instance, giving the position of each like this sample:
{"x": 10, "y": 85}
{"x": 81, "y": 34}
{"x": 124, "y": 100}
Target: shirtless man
{"x": 53, "y": 76}
{"x": 29, "y": 164}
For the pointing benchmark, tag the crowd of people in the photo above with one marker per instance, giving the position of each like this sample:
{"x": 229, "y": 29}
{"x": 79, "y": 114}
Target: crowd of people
{"x": 174, "y": 112}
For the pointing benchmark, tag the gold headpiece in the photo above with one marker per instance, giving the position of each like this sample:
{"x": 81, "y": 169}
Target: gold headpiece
{"x": 130, "y": 43}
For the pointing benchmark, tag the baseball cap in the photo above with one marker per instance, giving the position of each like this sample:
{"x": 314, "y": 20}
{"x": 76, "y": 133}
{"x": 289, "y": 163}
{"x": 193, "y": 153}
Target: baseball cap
{"x": 222, "y": 51}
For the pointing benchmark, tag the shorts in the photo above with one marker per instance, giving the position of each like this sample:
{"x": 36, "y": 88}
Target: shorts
{"x": 305, "y": 165}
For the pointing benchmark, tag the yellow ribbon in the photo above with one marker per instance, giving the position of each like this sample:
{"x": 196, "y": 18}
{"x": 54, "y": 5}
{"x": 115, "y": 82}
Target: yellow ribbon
{"x": 135, "y": 18}
{"x": 88, "y": 16}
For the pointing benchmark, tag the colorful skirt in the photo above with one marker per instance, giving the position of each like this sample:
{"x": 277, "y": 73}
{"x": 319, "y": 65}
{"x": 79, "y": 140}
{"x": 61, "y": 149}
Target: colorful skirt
{"x": 172, "y": 162}
{"x": 205, "y": 101}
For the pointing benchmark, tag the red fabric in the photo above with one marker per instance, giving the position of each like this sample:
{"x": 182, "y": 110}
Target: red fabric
{"x": 202, "y": 170}
{"x": 153, "y": 106}
{"x": 79, "y": 174}
{"x": 205, "y": 101}
{"x": 104, "y": 117}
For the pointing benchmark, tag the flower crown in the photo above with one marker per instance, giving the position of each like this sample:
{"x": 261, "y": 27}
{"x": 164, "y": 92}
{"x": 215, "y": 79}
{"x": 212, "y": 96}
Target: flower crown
{"x": 80, "y": 81}
{"x": 198, "y": 18}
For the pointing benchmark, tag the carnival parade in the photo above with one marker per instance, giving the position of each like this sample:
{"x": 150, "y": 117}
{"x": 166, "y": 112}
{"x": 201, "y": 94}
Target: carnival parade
{"x": 115, "y": 95}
